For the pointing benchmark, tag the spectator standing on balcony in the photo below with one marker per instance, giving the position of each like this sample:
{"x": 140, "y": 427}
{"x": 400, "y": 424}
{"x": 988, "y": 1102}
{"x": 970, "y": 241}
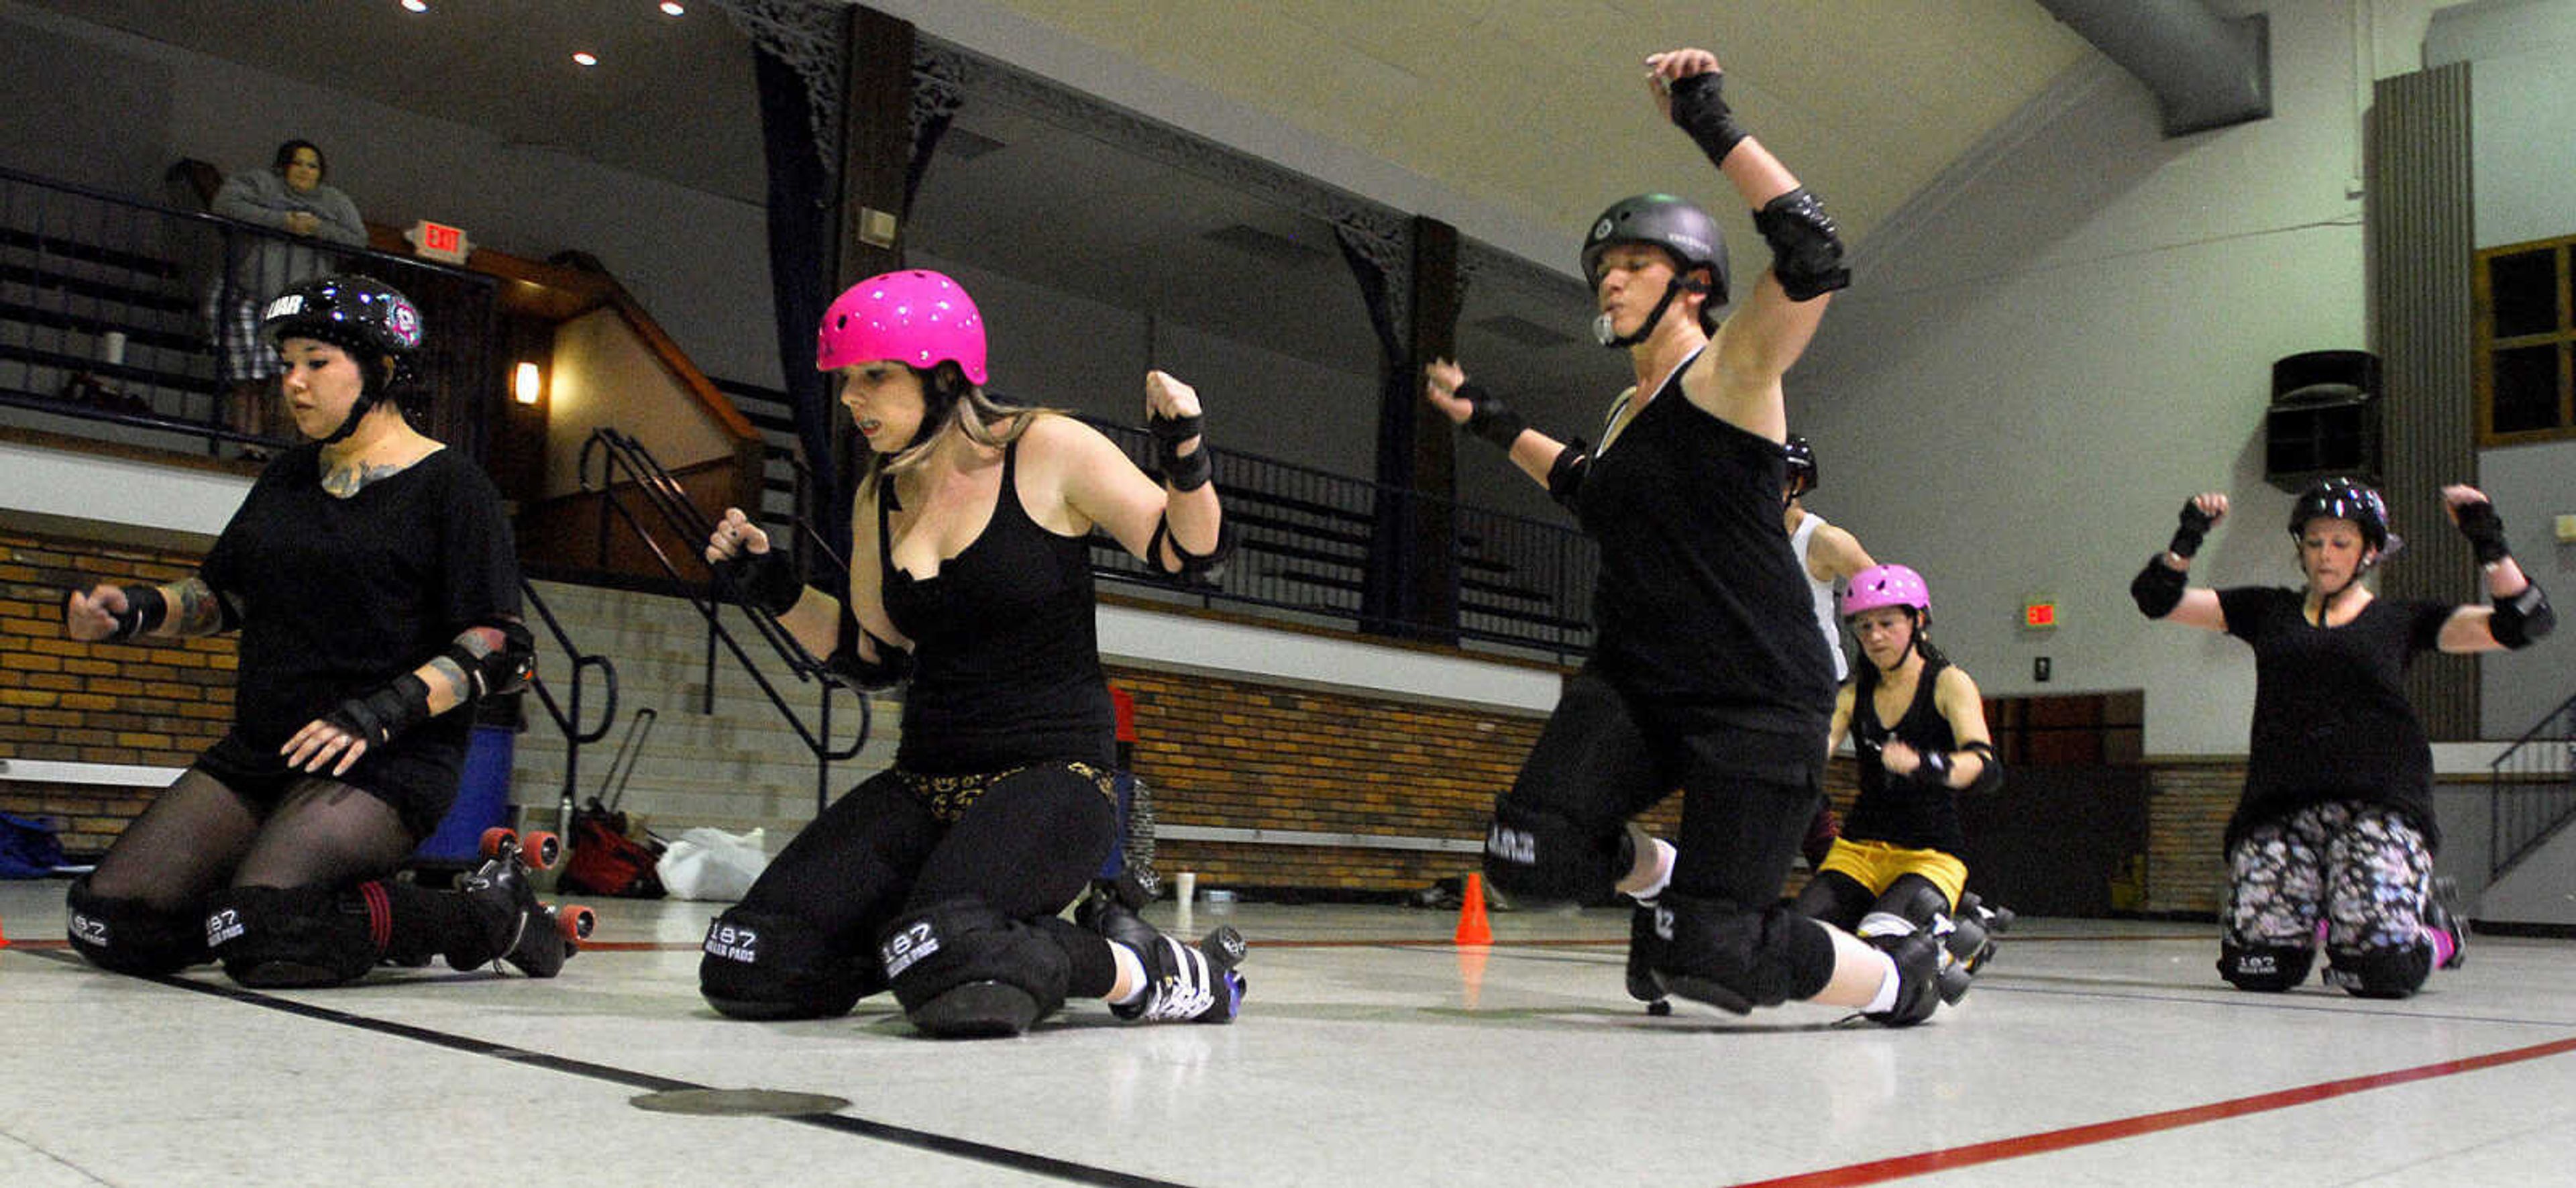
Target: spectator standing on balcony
{"x": 941, "y": 878}
{"x": 371, "y": 575}
{"x": 288, "y": 197}
{"x": 1708, "y": 672}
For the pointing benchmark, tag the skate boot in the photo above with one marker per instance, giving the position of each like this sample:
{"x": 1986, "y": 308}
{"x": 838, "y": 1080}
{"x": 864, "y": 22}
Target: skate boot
{"x": 1183, "y": 983}
{"x": 2442, "y": 914}
{"x": 1643, "y": 985}
{"x": 1918, "y": 956}
{"x": 530, "y": 935}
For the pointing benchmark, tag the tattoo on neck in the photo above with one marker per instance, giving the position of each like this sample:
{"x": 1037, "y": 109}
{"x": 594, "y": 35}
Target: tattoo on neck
{"x": 348, "y": 478}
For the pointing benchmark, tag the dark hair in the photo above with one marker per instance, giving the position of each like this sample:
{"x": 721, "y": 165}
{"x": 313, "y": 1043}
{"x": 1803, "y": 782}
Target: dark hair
{"x": 1865, "y": 675}
{"x": 286, "y": 156}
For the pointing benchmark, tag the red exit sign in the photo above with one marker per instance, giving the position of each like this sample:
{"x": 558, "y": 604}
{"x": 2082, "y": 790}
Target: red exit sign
{"x": 2039, "y": 614}
{"x": 438, "y": 241}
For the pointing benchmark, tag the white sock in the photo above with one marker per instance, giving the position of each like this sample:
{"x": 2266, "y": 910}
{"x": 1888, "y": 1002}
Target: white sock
{"x": 1664, "y": 856}
{"x": 1131, "y": 971}
{"x": 1885, "y": 1000}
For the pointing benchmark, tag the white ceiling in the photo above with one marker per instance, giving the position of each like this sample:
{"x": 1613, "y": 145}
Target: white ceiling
{"x": 1528, "y": 113}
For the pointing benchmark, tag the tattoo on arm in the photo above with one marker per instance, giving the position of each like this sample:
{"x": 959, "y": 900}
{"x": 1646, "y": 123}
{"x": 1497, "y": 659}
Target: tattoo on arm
{"x": 445, "y": 676}
{"x": 199, "y": 611}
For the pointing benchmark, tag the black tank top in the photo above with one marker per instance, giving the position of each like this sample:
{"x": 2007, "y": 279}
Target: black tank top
{"x": 1897, "y": 811}
{"x": 1006, "y": 656}
{"x": 1703, "y": 615}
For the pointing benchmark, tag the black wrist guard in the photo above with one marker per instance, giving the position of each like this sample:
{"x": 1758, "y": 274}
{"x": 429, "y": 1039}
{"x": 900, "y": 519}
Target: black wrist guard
{"x": 2192, "y": 529}
{"x": 763, "y": 581}
{"x": 1699, "y": 108}
{"x": 1493, "y": 419}
{"x": 145, "y": 609}
{"x": 892, "y": 666}
{"x": 1934, "y": 771}
{"x": 2157, "y": 588}
{"x": 2522, "y": 619}
{"x": 2485, "y": 530}
{"x": 1183, "y": 472}
{"x": 381, "y": 716}
{"x": 1806, "y": 245}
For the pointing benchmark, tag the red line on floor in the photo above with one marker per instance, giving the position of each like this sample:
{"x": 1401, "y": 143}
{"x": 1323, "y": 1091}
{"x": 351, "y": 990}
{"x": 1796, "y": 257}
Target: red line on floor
{"x": 1882, "y": 1170}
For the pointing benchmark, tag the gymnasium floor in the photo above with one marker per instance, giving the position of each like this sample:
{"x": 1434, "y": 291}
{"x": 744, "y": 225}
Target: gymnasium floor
{"x": 1372, "y": 1052}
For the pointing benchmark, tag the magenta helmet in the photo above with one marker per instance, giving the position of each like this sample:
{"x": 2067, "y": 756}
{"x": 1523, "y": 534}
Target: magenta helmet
{"x": 1886, "y": 585}
{"x": 915, "y": 317}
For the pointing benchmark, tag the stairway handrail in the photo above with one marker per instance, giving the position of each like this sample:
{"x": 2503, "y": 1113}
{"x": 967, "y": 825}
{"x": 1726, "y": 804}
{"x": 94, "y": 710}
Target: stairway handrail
{"x": 2504, "y": 853}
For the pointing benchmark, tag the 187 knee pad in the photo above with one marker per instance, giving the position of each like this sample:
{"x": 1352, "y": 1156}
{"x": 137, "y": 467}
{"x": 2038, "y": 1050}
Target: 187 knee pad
{"x": 2381, "y": 973}
{"x": 2264, "y": 967}
{"x": 1543, "y": 858}
{"x": 129, "y": 936}
{"x": 962, "y": 969}
{"x": 286, "y": 937}
{"x": 1728, "y": 957}
{"x": 759, "y": 965}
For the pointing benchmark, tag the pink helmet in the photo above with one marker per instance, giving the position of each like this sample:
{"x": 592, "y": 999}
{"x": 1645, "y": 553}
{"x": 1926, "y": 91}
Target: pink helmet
{"x": 1886, "y": 585}
{"x": 915, "y": 317}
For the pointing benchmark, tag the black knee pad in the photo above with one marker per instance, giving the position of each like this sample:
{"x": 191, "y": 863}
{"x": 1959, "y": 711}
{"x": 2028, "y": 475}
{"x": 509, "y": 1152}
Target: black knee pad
{"x": 285, "y": 937}
{"x": 1543, "y": 858}
{"x": 762, "y": 965}
{"x": 128, "y": 936}
{"x": 1715, "y": 952}
{"x": 2264, "y": 967}
{"x": 962, "y": 969}
{"x": 2380, "y": 973}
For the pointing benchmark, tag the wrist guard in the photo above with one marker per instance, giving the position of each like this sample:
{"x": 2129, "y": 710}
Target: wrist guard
{"x": 1806, "y": 245}
{"x": 892, "y": 666}
{"x": 2190, "y": 531}
{"x": 2157, "y": 588}
{"x": 2485, "y": 530}
{"x": 1183, "y": 472}
{"x": 1933, "y": 772}
{"x": 1492, "y": 419}
{"x": 763, "y": 581}
{"x": 2522, "y": 619}
{"x": 1699, "y": 108}
{"x": 383, "y": 715}
{"x": 145, "y": 609}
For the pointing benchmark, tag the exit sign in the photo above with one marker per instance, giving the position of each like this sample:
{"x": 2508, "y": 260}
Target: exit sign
{"x": 438, "y": 241}
{"x": 2039, "y": 615}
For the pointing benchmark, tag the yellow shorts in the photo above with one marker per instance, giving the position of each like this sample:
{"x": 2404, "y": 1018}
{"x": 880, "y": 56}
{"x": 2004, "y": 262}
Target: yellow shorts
{"x": 1877, "y": 865}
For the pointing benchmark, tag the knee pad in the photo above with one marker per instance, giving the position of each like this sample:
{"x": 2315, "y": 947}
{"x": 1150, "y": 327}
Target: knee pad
{"x": 1715, "y": 952}
{"x": 128, "y": 936}
{"x": 287, "y": 937}
{"x": 962, "y": 969}
{"x": 762, "y": 965}
{"x": 2380, "y": 973}
{"x": 1544, "y": 858}
{"x": 2264, "y": 967}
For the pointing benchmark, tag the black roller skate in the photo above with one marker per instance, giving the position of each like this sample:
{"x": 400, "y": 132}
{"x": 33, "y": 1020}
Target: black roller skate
{"x": 1183, "y": 983}
{"x": 528, "y": 934}
{"x": 1918, "y": 956}
{"x": 2442, "y": 914}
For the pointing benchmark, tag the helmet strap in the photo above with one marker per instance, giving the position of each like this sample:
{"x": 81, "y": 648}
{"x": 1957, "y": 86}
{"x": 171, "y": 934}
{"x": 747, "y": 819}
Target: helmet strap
{"x": 1603, "y": 333}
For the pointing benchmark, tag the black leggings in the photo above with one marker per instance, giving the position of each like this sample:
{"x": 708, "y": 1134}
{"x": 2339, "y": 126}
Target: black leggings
{"x": 200, "y": 836}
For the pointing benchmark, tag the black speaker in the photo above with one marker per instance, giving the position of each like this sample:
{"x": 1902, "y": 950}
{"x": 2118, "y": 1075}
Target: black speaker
{"x": 2324, "y": 419}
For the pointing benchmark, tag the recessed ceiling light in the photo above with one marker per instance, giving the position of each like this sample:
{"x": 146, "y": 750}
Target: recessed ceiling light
{"x": 416, "y": 5}
{"x": 586, "y": 58}
{"x": 674, "y": 8}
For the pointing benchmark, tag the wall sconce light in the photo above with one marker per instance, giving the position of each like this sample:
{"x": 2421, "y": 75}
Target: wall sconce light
{"x": 529, "y": 384}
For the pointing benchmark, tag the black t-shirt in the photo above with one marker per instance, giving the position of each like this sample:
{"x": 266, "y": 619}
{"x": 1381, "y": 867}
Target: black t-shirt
{"x": 1891, "y": 809}
{"x": 1703, "y": 614}
{"x": 2331, "y": 720}
{"x": 339, "y": 596}
{"x": 1006, "y": 656}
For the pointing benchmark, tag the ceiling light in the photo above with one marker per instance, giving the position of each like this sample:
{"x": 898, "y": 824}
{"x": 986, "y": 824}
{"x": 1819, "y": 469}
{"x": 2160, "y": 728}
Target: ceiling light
{"x": 674, "y": 8}
{"x": 415, "y": 5}
{"x": 586, "y": 58}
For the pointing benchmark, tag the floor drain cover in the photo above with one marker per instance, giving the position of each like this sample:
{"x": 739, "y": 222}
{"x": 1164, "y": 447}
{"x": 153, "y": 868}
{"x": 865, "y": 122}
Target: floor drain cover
{"x": 753, "y": 1102}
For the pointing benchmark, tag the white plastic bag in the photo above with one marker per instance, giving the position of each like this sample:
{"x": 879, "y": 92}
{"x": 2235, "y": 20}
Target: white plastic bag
{"x": 712, "y": 864}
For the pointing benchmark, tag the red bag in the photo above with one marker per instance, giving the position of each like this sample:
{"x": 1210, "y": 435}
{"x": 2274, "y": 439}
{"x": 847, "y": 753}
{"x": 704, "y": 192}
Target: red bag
{"x": 607, "y": 862}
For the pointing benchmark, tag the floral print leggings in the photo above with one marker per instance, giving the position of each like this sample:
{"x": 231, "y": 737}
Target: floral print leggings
{"x": 2361, "y": 869}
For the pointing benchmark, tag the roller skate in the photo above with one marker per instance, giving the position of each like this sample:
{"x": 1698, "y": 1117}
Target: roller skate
{"x": 535, "y": 937}
{"x": 1918, "y": 956}
{"x": 1184, "y": 983}
{"x": 2442, "y": 914}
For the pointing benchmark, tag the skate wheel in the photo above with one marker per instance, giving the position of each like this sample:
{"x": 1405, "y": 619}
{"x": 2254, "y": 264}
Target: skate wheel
{"x": 1660, "y": 1007}
{"x": 540, "y": 849}
{"x": 575, "y": 922}
{"x": 497, "y": 837}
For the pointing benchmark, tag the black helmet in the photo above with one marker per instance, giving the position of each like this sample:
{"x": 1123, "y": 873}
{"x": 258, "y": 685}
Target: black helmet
{"x": 1673, "y": 224}
{"x": 360, "y": 315}
{"x": 1802, "y": 465}
{"x": 2346, "y": 499}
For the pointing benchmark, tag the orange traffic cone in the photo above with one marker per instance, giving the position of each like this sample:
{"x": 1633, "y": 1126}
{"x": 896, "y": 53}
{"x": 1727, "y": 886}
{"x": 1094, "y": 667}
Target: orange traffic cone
{"x": 1472, "y": 928}
{"x": 4, "y": 938}
{"x": 1471, "y": 972}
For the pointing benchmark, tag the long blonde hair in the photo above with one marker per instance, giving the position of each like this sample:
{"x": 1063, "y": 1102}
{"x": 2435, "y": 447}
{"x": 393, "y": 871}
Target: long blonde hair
{"x": 967, "y": 410}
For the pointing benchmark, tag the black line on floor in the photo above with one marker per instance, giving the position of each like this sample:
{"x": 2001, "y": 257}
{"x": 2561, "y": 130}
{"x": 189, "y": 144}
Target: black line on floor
{"x": 1078, "y": 1173}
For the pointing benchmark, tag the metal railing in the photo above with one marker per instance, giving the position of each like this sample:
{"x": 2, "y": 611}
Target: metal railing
{"x": 567, "y": 713}
{"x": 612, "y": 464}
{"x": 2531, "y": 790}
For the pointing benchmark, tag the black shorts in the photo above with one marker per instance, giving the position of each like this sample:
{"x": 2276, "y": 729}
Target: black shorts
{"x": 419, "y": 782}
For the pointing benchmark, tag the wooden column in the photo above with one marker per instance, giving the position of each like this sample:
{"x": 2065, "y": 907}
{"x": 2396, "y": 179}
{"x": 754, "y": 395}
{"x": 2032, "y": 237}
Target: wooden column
{"x": 876, "y": 146}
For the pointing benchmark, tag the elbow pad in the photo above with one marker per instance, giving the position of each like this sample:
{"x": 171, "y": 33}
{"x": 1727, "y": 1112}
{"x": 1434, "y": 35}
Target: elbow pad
{"x": 1565, "y": 478}
{"x": 1208, "y": 565}
{"x": 2157, "y": 588}
{"x": 495, "y": 672}
{"x": 1806, "y": 246}
{"x": 1989, "y": 777}
{"x": 2523, "y": 619}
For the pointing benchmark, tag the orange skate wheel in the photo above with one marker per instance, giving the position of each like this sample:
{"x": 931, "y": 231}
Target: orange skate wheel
{"x": 540, "y": 849}
{"x": 575, "y": 922}
{"x": 497, "y": 837}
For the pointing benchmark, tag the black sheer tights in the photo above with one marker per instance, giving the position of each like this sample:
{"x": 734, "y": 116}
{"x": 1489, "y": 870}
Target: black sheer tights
{"x": 201, "y": 836}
